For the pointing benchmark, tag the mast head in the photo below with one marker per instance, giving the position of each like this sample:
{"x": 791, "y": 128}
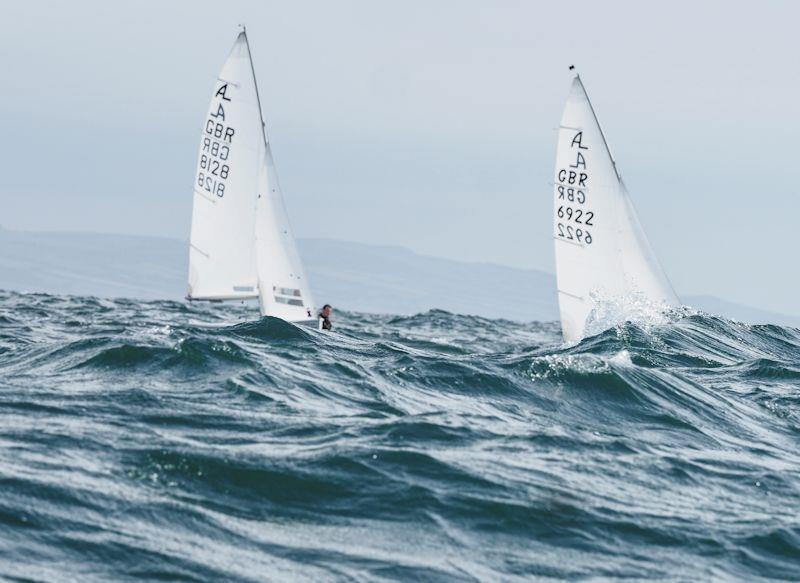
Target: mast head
{"x": 572, "y": 70}
{"x": 577, "y": 75}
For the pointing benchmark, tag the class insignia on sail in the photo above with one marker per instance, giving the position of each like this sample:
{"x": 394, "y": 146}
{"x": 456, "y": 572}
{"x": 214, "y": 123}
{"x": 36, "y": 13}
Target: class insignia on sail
{"x": 602, "y": 254}
{"x": 241, "y": 245}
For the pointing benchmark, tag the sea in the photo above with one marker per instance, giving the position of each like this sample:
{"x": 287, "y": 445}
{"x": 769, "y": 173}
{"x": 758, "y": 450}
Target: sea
{"x": 158, "y": 440}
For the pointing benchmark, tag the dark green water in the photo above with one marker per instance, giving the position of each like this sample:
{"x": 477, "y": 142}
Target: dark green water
{"x": 138, "y": 442}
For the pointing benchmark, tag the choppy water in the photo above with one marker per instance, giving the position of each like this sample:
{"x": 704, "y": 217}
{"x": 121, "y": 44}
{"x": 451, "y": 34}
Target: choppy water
{"x": 136, "y": 443}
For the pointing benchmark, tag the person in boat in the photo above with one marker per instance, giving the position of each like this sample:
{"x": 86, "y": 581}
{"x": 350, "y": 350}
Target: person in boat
{"x": 325, "y": 316}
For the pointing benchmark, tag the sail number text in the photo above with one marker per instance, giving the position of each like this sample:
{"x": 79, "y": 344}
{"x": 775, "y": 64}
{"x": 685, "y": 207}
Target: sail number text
{"x": 215, "y": 149}
{"x": 577, "y": 215}
{"x": 572, "y": 216}
{"x": 571, "y": 233}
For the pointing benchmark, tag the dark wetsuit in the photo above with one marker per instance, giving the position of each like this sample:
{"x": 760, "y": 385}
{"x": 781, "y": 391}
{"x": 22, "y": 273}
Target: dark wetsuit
{"x": 326, "y": 322}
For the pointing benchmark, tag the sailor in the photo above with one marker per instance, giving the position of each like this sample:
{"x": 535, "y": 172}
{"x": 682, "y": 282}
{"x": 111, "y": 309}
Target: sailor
{"x": 325, "y": 315}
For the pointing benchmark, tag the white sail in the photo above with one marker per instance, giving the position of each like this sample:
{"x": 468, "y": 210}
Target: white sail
{"x": 222, "y": 255}
{"x": 283, "y": 288}
{"x": 241, "y": 243}
{"x": 602, "y": 253}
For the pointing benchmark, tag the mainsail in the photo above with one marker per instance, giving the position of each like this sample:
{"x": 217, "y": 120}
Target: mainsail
{"x": 602, "y": 253}
{"x": 241, "y": 243}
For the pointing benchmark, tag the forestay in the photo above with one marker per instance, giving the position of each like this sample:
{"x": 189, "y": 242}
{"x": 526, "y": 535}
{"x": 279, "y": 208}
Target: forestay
{"x": 222, "y": 254}
{"x": 602, "y": 253}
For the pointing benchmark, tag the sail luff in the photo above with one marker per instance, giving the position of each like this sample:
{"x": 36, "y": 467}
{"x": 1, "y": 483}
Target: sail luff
{"x": 599, "y": 127}
{"x": 255, "y": 84}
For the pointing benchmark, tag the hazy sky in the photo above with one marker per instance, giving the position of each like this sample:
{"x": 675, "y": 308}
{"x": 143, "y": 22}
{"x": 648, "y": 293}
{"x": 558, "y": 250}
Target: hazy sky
{"x": 423, "y": 124}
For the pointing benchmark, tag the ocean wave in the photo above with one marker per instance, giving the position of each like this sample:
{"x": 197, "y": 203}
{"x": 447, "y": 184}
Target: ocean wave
{"x": 186, "y": 441}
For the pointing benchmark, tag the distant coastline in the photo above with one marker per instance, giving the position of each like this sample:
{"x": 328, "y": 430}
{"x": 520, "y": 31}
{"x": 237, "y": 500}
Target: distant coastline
{"x": 353, "y": 276}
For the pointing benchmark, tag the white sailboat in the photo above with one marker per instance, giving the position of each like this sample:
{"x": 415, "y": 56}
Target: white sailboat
{"x": 602, "y": 254}
{"x": 241, "y": 245}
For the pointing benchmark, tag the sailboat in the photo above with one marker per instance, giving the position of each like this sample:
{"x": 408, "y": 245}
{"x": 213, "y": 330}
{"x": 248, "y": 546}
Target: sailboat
{"x": 241, "y": 245}
{"x": 602, "y": 254}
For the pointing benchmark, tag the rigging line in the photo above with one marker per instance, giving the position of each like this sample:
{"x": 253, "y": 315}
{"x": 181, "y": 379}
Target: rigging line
{"x": 599, "y": 127}
{"x": 568, "y": 241}
{"x": 200, "y": 251}
{"x": 205, "y": 196}
{"x": 561, "y": 291}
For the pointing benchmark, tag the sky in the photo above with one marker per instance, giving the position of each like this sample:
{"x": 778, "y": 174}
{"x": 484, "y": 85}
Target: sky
{"x": 429, "y": 125}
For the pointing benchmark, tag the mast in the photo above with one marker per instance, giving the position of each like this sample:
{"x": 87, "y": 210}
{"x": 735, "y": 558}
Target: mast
{"x": 263, "y": 138}
{"x": 255, "y": 82}
{"x": 597, "y": 121}
{"x": 267, "y": 147}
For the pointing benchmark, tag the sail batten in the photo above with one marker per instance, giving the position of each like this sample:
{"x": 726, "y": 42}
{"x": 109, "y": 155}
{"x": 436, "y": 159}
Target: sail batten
{"x": 602, "y": 254}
